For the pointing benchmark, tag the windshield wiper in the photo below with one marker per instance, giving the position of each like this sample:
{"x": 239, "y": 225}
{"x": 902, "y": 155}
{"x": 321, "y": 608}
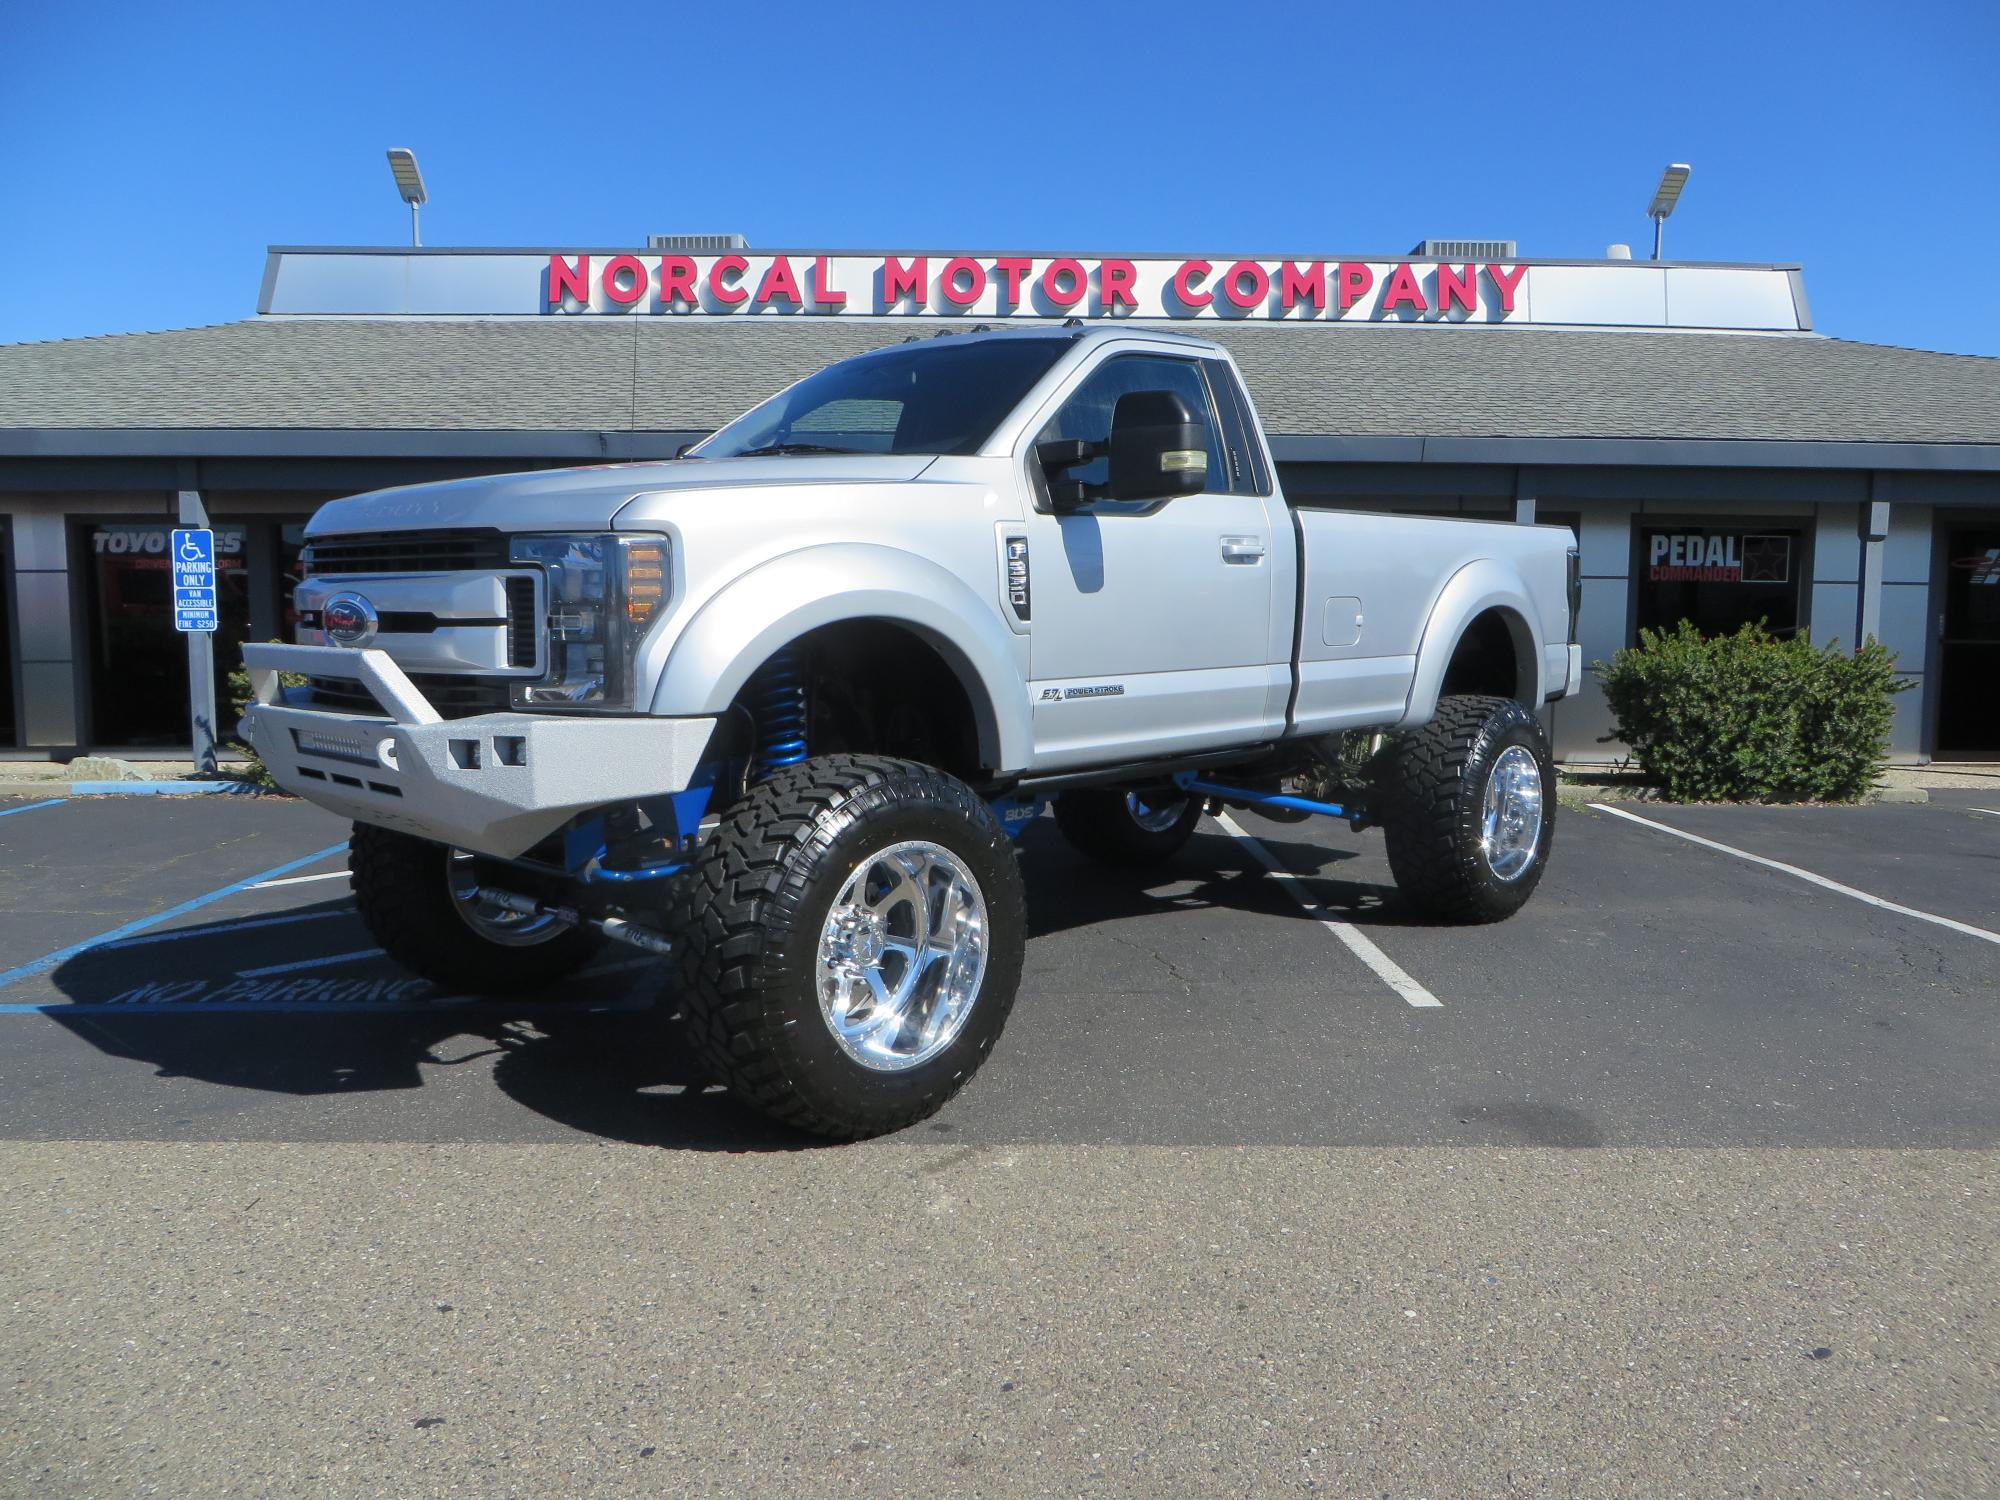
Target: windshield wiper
{"x": 770, "y": 448}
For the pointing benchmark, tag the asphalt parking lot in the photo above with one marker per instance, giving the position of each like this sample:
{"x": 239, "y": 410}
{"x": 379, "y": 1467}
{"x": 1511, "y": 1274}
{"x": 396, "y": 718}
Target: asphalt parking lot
{"x": 1679, "y": 1182}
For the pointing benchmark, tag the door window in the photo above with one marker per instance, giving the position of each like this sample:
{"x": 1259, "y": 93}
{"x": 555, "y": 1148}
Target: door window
{"x": 1968, "y": 706}
{"x": 6, "y": 646}
{"x": 1247, "y": 473}
{"x": 1086, "y": 415}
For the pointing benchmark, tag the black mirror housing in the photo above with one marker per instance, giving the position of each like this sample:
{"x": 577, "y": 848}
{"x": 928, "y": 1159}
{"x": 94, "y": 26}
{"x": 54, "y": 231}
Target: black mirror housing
{"x": 1158, "y": 449}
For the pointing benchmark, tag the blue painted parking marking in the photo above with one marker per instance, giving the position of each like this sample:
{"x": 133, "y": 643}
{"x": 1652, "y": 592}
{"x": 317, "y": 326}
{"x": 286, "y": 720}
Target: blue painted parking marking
{"x": 8, "y": 812}
{"x": 49, "y": 960}
{"x": 164, "y": 788}
{"x": 474, "y": 1004}
{"x": 378, "y": 997}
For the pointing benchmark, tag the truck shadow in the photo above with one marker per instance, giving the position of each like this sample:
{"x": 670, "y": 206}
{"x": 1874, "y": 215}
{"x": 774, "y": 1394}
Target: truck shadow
{"x": 1066, "y": 890}
{"x": 604, "y": 1057}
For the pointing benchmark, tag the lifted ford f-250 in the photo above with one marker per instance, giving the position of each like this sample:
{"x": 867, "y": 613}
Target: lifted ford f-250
{"x": 776, "y": 709}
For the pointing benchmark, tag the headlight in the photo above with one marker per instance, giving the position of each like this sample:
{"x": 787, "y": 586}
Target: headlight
{"x": 604, "y": 592}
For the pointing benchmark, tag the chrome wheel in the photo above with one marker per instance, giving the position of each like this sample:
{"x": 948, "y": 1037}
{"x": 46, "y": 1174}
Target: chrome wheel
{"x": 1510, "y": 828}
{"x": 901, "y": 956}
{"x": 510, "y": 929}
{"x": 1155, "y": 815}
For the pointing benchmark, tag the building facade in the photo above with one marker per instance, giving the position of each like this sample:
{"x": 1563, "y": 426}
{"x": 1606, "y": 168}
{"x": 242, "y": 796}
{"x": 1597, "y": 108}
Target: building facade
{"x": 1717, "y": 458}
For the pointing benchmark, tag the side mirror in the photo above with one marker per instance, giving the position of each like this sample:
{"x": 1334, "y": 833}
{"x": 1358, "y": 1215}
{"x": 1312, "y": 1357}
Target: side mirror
{"x": 1158, "y": 449}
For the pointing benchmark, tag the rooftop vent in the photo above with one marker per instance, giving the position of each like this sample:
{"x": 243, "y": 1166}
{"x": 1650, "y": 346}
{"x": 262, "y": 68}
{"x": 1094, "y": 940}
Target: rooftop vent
{"x": 1465, "y": 250}
{"x": 697, "y": 244}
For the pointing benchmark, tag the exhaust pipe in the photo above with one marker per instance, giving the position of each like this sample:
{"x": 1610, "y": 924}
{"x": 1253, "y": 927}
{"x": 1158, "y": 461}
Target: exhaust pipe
{"x": 618, "y": 929}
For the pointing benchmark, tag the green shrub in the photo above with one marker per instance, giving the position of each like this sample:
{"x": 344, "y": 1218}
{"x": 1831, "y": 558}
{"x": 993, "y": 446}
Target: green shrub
{"x": 1750, "y": 718}
{"x": 255, "y": 772}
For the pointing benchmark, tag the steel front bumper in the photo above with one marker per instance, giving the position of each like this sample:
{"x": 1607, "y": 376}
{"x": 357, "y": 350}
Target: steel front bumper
{"x": 497, "y": 784}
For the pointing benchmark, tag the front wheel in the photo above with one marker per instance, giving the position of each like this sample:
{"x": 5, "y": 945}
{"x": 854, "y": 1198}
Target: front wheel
{"x": 421, "y": 902}
{"x": 851, "y": 940}
{"x": 1468, "y": 809}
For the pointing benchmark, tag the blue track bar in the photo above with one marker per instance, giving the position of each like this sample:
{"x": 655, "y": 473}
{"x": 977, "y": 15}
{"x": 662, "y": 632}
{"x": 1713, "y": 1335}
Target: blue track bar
{"x": 1265, "y": 799}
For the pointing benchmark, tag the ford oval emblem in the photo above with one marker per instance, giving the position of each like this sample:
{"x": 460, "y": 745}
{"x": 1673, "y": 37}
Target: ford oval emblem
{"x": 349, "y": 620}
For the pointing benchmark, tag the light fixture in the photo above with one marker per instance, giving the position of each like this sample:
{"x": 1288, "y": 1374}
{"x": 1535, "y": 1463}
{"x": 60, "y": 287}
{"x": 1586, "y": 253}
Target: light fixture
{"x": 410, "y": 183}
{"x": 1665, "y": 196}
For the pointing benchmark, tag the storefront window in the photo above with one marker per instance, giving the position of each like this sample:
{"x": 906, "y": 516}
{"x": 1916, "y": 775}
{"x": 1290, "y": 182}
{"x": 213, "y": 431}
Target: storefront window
{"x": 138, "y": 662}
{"x": 1720, "y": 577}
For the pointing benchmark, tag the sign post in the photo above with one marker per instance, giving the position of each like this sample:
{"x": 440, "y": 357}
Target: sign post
{"x": 192, "y": 558}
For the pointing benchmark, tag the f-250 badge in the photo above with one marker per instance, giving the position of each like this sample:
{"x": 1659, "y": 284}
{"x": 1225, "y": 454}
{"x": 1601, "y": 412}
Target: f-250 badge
{"x": 1017, "y": 577}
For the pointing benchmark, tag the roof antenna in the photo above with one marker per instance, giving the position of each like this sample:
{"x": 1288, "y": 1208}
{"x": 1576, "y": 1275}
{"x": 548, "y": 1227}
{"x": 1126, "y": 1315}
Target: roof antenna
{"x": 1072, "y": 322}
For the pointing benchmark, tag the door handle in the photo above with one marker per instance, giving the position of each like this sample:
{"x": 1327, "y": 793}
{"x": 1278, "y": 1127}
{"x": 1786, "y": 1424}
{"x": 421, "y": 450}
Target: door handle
{"x": 1242, "y": 549}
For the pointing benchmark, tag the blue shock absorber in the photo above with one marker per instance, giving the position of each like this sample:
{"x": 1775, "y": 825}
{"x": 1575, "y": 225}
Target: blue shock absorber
{"x": 777, "y": 700}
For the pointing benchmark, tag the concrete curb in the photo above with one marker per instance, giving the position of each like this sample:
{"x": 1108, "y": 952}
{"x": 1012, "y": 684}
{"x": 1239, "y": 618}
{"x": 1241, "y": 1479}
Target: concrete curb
{"x": 134, "y": 789}
{"x": 1570, "y": 794}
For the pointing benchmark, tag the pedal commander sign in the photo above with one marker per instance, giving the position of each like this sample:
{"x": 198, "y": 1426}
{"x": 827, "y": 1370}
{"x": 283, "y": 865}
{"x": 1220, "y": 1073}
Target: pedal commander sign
{"x": 1718, "y": 557}
{"x": 1003, "y": 286}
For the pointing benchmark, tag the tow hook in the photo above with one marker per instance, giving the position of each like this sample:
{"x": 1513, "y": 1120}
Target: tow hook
{"x": 619, "y": 929}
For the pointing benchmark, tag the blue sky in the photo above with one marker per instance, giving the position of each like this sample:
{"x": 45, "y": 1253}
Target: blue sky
{"x": 149, "y": 153}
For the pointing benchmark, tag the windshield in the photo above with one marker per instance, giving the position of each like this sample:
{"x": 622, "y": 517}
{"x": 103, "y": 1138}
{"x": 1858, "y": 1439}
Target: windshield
{"x": 940, "y": 396}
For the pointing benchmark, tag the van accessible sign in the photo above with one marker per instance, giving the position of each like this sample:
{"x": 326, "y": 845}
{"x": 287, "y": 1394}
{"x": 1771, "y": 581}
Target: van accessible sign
{"x": 570, "y": 282}
{"x": 1003, "y": 286}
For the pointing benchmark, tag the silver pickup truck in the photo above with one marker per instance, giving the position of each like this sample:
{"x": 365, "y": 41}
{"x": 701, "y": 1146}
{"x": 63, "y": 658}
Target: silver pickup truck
{"x": 775, "y": 710}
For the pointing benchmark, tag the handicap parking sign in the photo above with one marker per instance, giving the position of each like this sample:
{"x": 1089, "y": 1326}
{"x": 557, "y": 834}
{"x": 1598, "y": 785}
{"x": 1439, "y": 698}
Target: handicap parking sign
{"x": 193, "y": 557}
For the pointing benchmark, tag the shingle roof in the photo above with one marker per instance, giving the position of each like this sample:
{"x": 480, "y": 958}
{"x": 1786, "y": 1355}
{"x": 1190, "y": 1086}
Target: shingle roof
{"x": 666, "y": 375}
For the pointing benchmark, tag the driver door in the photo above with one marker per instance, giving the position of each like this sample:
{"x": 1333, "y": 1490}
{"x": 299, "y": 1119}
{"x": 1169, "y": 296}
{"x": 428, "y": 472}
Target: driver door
{"x": 1153, "y": 620}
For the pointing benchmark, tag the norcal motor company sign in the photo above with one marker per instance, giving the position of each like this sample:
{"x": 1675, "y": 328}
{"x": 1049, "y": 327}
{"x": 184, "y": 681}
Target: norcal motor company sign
{"x": 359, "y": 281}
{"x": 1004, "y": 286}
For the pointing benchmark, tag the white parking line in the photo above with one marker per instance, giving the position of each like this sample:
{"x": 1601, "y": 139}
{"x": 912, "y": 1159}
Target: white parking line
{"x": 310, "y": 963}
{"x": 1386, "y": 968}
{"x": 269, "y": 885}
{"x": 1806, "y": 875}
{"x": 1989, "y": 811}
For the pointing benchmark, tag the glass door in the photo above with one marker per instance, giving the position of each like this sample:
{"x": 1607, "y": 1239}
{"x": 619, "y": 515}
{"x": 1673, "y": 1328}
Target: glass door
{"x": 138, "y": 661}
{"x": 1969, "y": 663}
{"x": 7, "y": 726}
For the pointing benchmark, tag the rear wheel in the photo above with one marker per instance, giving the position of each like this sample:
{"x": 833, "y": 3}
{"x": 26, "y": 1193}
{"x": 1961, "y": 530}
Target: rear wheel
{"x": 1467, "y": 805}
{"x": 421, "y": 902}
{"x": 1127, "y": 828}
{"x": 851, "y": 940}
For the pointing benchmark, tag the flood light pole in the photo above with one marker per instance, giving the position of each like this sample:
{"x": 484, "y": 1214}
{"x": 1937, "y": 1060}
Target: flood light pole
{"x": 1665, "y": 196}
{"x": 410, "y": 183}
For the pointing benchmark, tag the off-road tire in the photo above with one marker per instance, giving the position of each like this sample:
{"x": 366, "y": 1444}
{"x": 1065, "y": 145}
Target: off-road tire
{"x": 748, "y": 921}
{"x": 400, "y": 887}
{"x": 1098, "y": 822}
{"x": 1431, "y": 786}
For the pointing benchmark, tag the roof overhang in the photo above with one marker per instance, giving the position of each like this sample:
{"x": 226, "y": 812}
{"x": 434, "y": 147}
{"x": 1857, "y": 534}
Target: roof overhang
{"x": 350, "y": 443}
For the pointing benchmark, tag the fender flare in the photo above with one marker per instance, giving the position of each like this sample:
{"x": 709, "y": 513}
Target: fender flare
{"x": 737, "y": 629}
{"x": 1471, "y": 591}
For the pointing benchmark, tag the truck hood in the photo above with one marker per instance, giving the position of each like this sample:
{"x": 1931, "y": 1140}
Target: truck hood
{"x": 588, "y": 499}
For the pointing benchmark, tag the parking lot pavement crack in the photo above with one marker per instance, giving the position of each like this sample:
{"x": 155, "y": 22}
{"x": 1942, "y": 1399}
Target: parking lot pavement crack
{"x": 1186, "y": 983}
